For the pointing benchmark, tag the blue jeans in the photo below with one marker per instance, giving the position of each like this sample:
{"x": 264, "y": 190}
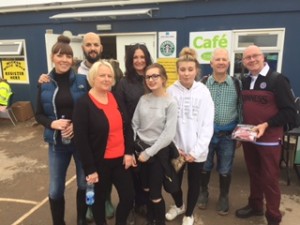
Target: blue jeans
{"x": 59, "y": 161}
{"x": 224, "y": 148}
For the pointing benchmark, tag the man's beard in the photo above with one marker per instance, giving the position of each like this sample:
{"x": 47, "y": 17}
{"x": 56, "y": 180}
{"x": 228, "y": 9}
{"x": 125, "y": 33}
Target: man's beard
{"x": 91, "y": 59}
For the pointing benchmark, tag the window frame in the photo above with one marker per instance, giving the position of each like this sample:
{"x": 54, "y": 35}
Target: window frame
{"x": 279, "y": 48}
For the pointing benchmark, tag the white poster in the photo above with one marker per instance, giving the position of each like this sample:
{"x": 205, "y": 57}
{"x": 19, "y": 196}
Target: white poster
{"x": 167, "y": 42}
{"x": 205, "y": 43}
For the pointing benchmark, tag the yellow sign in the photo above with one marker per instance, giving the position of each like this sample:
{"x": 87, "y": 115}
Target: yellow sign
{"x": 15, "y": 70}
{"x": 170, "y": 66}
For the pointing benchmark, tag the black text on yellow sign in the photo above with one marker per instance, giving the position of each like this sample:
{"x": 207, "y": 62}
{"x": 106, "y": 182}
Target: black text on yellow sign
{"x": 15, "y": 71}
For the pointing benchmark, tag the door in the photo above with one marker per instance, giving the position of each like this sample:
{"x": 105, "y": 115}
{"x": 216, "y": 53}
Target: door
{"x": 125, "y": 40}
{"x": 76, "y": 42}
{"x": 114, "y": 45}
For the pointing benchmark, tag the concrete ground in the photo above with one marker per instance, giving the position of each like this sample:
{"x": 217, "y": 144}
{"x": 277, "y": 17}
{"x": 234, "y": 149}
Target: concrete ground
{"x": 24, "y": 185}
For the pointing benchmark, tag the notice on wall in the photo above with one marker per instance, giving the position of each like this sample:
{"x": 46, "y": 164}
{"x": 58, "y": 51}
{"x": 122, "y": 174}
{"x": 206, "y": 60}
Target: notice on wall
{"x": 167, "y": 42}
{"x": 170, "y": 66}
{"x": 15, "y": 70}
{"x": 205, "y": 43}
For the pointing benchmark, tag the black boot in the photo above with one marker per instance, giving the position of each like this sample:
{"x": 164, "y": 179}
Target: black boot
{"x": 81, "y": 207}
{"x": 223, "y": 203}
{"x": 203, "y": 196}
{"x": 57, "y": 207}
{"x": 159, "y": 212}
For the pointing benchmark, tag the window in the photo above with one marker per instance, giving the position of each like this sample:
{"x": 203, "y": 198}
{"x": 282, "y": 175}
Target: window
{"x": 269, "y": 40}
{"x": 10, "y": 48}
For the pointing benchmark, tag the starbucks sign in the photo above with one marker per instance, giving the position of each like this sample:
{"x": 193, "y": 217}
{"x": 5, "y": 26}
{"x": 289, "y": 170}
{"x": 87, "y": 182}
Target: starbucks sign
{"x": 167, "y": 48}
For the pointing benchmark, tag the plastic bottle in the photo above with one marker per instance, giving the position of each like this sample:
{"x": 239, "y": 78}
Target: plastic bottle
{"x": 65, "y": 140}
{"x": 90, "y": 194}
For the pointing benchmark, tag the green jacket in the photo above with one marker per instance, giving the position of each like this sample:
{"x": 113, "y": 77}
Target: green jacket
{"x": 5, "y": 93}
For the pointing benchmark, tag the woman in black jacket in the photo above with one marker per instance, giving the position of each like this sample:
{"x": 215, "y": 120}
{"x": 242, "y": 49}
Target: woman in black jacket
{"x": 103, "y": 136}
{"x": 129, "y": 90}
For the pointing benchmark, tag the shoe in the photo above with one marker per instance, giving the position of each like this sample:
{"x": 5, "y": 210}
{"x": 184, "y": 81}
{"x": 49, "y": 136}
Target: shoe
{"x": 188, "y": 220}
{"x": 109, "y": 210}
{"x": 203, "y": 200}
{"x": 223, "y": 206}
{"x": 174, "y": 211}
{"x": 247, "y": 212}
{"x": 131, "y": 218}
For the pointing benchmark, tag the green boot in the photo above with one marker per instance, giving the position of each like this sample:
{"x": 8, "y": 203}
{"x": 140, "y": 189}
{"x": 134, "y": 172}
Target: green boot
{"x": 109, "y": 208}
{"x": 89, "y": 215}
{"x": 223, "y": 203}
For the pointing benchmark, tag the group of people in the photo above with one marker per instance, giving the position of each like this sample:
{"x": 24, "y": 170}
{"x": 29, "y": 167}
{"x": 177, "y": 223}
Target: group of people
{"x": 105, "y": 120}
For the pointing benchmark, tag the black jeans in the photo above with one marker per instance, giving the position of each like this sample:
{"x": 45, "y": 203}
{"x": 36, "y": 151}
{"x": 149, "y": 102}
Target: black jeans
{"x": 194, "y": 170}
{"x": 113, "y": 171}
{"x": 152, "y": 175}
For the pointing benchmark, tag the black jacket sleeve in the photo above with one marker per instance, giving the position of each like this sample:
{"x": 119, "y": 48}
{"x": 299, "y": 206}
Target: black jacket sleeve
{"x": 81, "y": 135}
{"x": 285, "y": 103}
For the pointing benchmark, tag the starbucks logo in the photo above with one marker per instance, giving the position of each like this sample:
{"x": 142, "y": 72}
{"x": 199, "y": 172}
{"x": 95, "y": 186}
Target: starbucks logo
{"x": 167, "y": 48}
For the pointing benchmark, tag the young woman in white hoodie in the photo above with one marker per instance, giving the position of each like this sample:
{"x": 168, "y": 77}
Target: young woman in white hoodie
{"x": 194, "y": 130}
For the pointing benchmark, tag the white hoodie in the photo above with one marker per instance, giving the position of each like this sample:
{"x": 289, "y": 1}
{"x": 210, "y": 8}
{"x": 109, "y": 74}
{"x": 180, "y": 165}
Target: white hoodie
{"x": 195, "y": 123}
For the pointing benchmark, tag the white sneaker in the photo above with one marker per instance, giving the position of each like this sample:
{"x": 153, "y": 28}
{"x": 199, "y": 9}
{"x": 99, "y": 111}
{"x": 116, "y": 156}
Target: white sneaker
{"x": 174, "y": 211}
{"x": 188, "y": 220}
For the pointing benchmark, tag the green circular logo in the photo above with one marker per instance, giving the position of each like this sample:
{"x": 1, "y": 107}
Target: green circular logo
{"x": 167, "y": 48}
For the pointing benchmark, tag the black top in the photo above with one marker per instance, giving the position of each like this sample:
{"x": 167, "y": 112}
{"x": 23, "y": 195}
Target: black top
{"x": 129, "y": 92}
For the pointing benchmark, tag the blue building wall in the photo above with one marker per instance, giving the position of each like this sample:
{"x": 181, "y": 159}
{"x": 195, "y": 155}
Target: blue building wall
{"x": 209, "y": 15}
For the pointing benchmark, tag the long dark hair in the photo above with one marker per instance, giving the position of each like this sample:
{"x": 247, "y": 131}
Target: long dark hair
{"x": 130, "y": 71}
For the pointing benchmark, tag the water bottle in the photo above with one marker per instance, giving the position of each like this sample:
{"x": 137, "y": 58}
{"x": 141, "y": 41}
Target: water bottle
{"x": 90, "y": 194}
{"x": 65, "y": 140}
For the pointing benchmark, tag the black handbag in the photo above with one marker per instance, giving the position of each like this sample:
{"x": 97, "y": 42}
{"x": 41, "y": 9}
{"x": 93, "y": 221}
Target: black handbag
{"x": 139, "y": 146}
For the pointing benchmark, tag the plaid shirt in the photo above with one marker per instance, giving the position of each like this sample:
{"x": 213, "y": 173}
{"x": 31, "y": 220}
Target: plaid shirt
{"x": 225, "y": 99}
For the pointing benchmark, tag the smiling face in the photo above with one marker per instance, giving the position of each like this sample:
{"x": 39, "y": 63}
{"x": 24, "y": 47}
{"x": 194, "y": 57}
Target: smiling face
{"x": 154, "y": 80}
{"x": 220, "y": 62}
{"x": 92, "y": 47}
{"x": 139, "y": 61}
{"x": 253, "y": 59}
{"x": 62, "y": 62}
{"x": 187, "y": 71}
{"x": 103, "y": 80}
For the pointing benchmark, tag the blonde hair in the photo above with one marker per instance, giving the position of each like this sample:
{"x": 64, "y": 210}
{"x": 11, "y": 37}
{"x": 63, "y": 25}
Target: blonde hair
{"x": 93, "y": 72}
{"x": 188, "y": 54}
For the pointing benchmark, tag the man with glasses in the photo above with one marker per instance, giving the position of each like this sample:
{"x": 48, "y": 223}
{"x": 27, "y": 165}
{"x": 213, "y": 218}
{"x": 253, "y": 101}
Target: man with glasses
{"x": 267, "y": 105}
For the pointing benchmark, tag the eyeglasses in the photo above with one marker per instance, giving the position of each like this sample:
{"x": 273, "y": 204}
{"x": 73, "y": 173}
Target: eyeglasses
{"x": 153, "y": 77}
{"x": 138, "y": 43}
{"x": 254, "y": 56}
